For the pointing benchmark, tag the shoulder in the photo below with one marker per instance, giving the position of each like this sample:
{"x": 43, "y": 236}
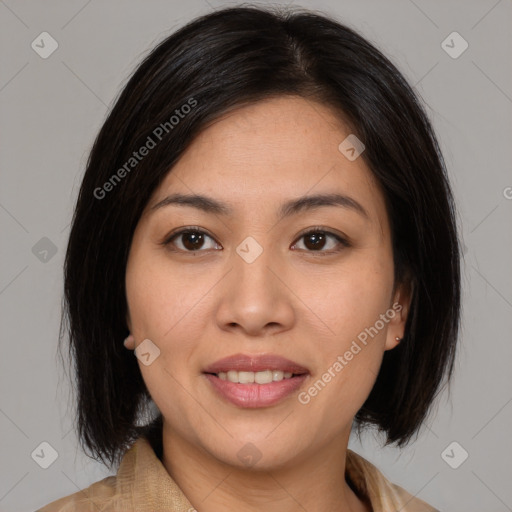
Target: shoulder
{"x": 383, "y": 494}
{"x": 107, "y": 494}
{"x": 93, "y": 498}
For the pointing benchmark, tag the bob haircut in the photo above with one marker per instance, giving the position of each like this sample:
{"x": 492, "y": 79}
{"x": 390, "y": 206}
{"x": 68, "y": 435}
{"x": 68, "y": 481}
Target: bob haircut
{"x": 219, "y": 62}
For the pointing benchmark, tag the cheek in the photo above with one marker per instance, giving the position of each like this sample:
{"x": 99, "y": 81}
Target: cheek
{"x": 144, "y": 289}
{"x": 349, "y": 333}
{"x": 166, "y": 307}
{"x": 349, "y": 298}
{"x": 157, "y": 298}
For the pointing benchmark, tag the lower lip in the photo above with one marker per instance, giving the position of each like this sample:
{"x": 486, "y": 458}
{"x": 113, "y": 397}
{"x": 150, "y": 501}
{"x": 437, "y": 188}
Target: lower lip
{"x": 255, "y": 395}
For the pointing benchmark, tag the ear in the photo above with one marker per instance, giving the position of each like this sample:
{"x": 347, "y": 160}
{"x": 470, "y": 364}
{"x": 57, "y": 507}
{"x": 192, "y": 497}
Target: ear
{"x": 400, "y": 306}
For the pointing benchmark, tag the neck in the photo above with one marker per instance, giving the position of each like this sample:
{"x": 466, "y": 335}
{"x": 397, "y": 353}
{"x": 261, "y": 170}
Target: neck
{"x": 313, "y": 482}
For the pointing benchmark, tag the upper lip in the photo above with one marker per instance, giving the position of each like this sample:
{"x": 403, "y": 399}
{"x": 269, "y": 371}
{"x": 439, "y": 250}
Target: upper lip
{"x": 255, "y": 363}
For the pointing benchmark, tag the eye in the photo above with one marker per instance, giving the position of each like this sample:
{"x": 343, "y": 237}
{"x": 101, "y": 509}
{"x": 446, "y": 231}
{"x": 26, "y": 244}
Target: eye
{"x": 316, "y": 240}
{"x": 192, "y": 239}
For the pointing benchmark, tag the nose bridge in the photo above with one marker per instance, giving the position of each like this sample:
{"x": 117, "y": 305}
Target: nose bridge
{"x": 254, "y": 296}
{"x": 252, "y": 265}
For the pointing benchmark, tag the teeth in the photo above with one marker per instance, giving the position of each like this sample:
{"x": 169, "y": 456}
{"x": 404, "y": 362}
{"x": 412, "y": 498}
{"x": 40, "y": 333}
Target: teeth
{"x": 264, "y": 377}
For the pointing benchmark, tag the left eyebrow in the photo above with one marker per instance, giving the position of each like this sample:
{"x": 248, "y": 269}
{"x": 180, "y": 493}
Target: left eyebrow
{"x": 287, "y": 209}
{"x": 321, "y": 200}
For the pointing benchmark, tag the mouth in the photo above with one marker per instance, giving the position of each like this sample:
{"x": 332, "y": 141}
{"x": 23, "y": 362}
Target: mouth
{"x": 255, "y": 381}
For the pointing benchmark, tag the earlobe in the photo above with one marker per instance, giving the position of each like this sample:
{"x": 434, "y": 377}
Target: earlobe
{"x": 392, "y": 340}
{"x": 129, "y": 342}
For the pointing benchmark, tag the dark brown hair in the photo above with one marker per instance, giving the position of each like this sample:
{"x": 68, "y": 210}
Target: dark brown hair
{"x": 218, "y": 62}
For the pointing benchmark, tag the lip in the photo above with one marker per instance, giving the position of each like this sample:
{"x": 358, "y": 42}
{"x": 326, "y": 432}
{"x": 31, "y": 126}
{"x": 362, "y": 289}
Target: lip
{"x": 255, "y": 363}
{"x": 255, "y": 395}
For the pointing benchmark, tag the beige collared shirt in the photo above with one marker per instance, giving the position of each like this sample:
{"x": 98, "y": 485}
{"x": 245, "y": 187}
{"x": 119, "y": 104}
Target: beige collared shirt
{"x": 142, "y": 484}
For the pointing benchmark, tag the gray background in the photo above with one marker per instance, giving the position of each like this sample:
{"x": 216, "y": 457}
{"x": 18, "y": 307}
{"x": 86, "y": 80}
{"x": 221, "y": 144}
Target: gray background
{"x": 51, "y": 110}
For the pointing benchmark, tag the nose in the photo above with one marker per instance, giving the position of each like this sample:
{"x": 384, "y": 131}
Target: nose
{"x": 255, "y": 297}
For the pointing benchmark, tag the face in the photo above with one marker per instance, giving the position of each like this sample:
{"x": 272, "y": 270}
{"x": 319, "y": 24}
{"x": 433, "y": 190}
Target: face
{"x": 253, "y": 280}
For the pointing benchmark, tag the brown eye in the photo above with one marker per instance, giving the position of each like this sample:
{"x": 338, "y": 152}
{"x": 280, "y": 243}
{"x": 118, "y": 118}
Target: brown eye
{"x": 192, "y": 240}
{"x": 316, "y": 241}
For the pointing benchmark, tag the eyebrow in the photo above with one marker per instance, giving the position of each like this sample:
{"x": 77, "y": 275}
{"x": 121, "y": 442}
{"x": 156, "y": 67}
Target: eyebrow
{"x": 289, "y": 208}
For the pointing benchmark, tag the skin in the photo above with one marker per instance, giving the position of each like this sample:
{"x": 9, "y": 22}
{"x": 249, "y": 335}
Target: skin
{"x": 203, "y": 305}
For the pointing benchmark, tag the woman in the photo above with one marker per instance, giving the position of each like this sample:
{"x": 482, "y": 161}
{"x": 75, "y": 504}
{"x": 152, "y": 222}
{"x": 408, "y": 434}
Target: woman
{"x": 266, "y": 221}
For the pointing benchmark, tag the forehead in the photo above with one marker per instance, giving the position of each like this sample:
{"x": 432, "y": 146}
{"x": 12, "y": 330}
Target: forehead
{"x": 259, "y": 155}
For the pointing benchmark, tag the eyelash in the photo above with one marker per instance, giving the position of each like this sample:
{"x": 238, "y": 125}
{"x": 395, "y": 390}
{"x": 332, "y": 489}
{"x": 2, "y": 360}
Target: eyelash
{"x": 314, "y": 230}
